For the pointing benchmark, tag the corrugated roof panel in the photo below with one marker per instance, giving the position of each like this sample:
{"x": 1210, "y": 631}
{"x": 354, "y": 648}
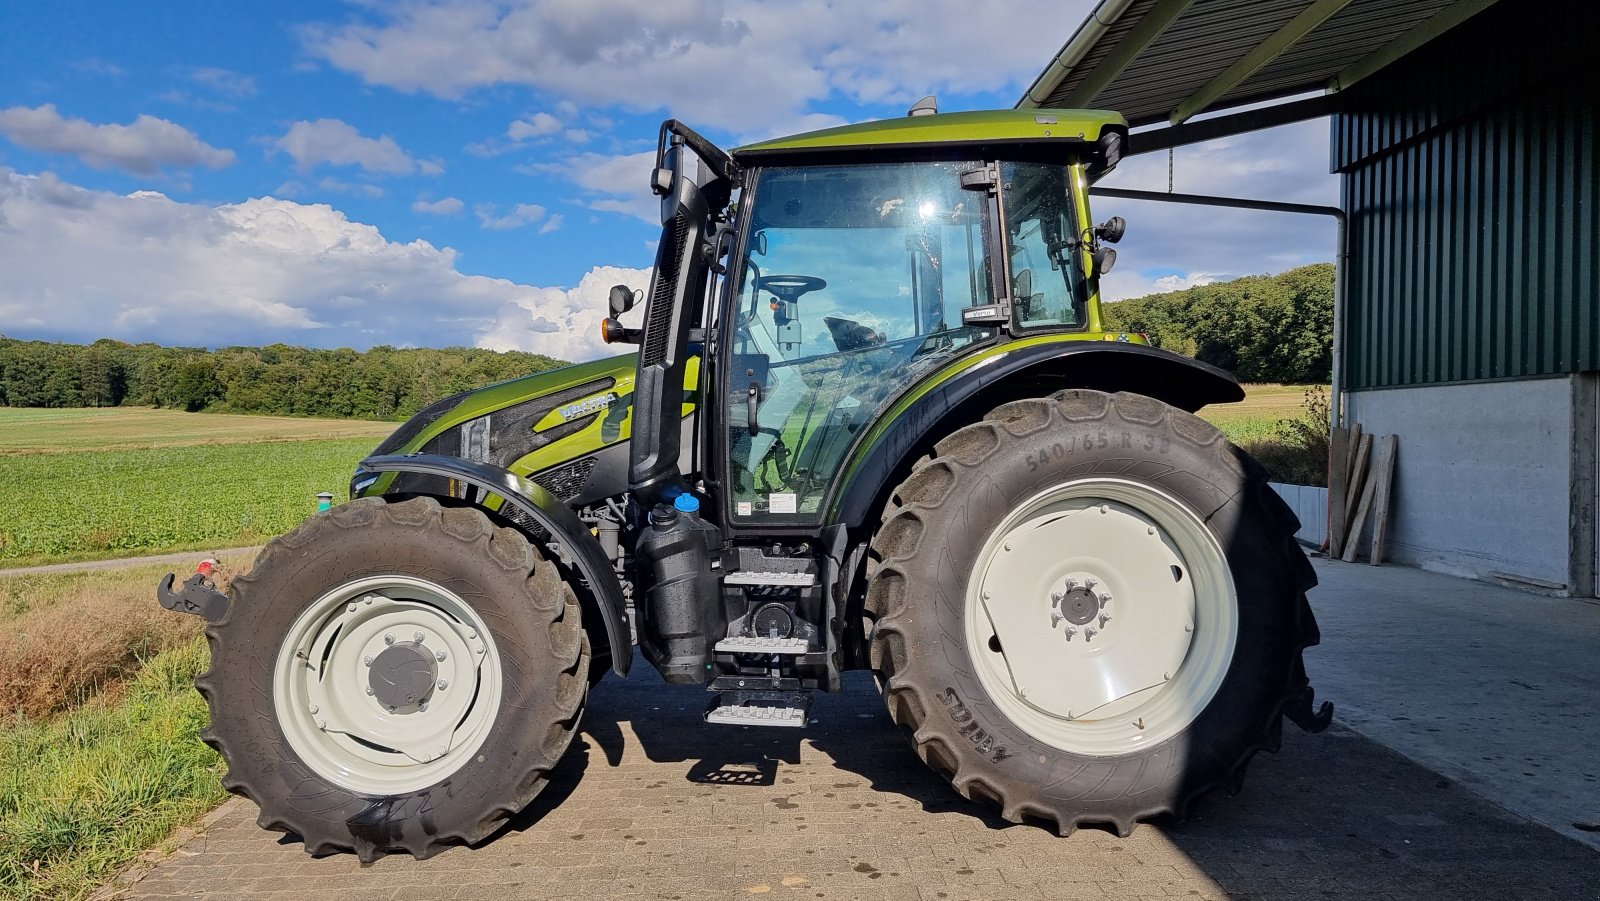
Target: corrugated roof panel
{"x": 1349, "y": 35}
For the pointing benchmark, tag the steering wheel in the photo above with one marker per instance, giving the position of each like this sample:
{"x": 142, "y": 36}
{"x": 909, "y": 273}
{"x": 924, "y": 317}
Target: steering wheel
{"x": 790, "y": 287}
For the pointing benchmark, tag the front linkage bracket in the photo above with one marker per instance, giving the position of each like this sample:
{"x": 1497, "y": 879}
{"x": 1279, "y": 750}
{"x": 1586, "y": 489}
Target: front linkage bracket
{"x": 196, "y": 597}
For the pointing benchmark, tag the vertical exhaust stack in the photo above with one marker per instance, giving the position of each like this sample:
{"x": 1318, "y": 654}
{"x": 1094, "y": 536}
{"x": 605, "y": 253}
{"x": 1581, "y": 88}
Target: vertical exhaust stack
{"x": 676, "y": 290}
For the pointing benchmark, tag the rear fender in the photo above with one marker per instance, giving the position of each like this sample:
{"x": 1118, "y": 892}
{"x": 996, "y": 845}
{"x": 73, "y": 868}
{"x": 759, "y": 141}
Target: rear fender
{"x": 1031, "y": 370}
{"x": 537, "y": 511}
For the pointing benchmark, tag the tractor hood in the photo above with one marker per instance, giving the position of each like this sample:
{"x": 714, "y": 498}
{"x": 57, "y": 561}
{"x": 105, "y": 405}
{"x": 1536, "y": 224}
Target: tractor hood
{"x": 560, "y": 428}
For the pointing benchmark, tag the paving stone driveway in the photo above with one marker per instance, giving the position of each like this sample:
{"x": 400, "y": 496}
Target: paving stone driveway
{"x": 651, "y": 803}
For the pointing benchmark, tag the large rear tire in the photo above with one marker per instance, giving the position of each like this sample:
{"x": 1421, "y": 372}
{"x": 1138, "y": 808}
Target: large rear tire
{"x": 395, "y": 677}
{"x": 1089, "y": 609}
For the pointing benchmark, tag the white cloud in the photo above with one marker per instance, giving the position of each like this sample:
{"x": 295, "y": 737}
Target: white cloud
{"x": 84, "y": 264}
{"x": 538, "y": 125}
{"x": 448, "y": 206}
{"x": 554, "y": 223}
{"x": 337, "y": 143}
{"x": 616, "y": 184}
{"x": 568, "y": 318}
{"x": 520, "y": 215}
{"x": 223, "y": 81}
{"x": 142, "y": 147}
{"x": 741, "y": 65}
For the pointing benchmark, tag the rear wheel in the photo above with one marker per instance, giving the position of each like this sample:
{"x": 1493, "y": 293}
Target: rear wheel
{"x": 395, "y": 677}
{"x": 1089, "y": 609}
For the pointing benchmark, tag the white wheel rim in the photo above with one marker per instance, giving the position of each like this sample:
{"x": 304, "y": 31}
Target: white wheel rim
{"x": 349, "y": 722}
{"x": 1101, "y": 616}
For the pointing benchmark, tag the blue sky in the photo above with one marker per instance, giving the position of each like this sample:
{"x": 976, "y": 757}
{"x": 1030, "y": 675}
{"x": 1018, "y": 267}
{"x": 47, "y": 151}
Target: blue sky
{"x": 463, "y": 172}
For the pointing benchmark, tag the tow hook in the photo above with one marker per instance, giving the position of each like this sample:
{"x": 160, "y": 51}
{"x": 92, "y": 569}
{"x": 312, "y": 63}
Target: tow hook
{"x": 198, "y": 596}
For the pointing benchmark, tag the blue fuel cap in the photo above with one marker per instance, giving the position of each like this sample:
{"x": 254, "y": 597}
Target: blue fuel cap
{"x": 686, "y": 503}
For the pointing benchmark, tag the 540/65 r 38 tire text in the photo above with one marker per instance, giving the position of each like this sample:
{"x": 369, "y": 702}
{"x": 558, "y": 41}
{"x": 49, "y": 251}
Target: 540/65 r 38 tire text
{"x": 395, "y": 677}
{"x": 1089, "y": 609}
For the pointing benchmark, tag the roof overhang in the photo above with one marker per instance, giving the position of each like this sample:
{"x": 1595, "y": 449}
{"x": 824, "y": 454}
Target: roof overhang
{"x": 1169, "y": 61}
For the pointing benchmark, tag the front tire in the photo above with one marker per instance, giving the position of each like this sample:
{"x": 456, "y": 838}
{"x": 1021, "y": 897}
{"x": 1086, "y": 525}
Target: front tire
{"x": 1089, "y": 609}
{"x": 395, "y": 677}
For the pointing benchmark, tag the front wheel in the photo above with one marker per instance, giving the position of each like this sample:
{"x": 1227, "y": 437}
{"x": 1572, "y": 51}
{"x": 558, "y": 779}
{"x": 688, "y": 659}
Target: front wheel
{"x": 1089, "y": 609}
{"x": 395, "y": 677}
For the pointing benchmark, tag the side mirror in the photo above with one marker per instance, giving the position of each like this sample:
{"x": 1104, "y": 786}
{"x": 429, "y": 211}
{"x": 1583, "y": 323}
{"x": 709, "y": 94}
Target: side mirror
{"x": 621, "y": 300}
{"x": 1104, "y": 259}
{"x": 1112, "y": 230}
{"x": 759, "y": 245}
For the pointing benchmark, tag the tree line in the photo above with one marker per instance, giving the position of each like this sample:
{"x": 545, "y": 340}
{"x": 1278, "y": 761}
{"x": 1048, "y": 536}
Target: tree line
{"x": 381, "y": 383}
{"x": 1261, "y": 328}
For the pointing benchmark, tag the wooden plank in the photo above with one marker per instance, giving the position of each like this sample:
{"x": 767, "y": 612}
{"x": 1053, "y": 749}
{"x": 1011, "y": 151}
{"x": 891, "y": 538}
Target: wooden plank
{"x": 1338, "y": 484}
{"x": 1355, "y": 442}
{"x": 1353, "y": 540}
{"x": 1358, "y": 478}
{"x": 1383, "y": 472}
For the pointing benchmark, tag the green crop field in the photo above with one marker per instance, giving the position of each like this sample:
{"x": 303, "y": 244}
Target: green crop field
{"x": 1256, "y": 417}
{"x": 163, "y": 481}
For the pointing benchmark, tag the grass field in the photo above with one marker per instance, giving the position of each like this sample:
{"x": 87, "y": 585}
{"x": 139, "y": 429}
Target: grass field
{"x": 25, "y": 430}
{"x": 1256, "y": 417}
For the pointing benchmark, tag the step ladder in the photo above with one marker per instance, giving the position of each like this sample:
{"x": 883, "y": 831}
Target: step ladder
{"x": 760, "y": 707}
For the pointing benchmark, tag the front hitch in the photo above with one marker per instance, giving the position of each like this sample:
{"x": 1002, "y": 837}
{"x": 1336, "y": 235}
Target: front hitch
{"x": 197, "y": 597}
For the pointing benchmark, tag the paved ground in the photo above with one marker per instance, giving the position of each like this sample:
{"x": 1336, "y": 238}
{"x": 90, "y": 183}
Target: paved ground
{"x": 191, "y": 558}
{"x": 653, "y": 804}
{"x": 1496, "y": 688}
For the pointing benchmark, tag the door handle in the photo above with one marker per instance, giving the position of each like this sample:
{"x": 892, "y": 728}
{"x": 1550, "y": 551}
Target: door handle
{"x": 752, "y": 400}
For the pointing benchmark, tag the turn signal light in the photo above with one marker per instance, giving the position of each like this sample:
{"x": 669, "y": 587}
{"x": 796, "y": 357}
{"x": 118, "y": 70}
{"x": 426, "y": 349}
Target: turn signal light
{"x": 613, "y": 332}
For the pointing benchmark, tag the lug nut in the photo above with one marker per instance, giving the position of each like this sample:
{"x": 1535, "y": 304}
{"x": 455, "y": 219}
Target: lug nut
{"x": 417, "y": 637}
{"x": 439, "y": 656}
{"x": 367, "y": 660}
{"x": 368, "y": 599}
{"x": 322, "y": 725}
{"x": 388, "y": 639}
{"x": 1089, "y": 584}
{"x": 1071, "y": 584}
{"x": 472, "y": 634}
{"x": 350, "y": 609}
{"x": 369, "y": 689}
{"x": 480, "y": 650}
{"x": 315, "y": 708}
{"x": 1188, "y": 627}
{"x": 1089, "y": 634}
{"x": 1104, "y": 599}
{"x": 443, "y": 684}
{"x": 1104, "y": 618}
{"x": 1008, "y": 545}
{"x": 423, "y": 707}
{"x": 1071, "y": 632}
{"x": 1057, "y": 596}
{"x": 1055, "y": 619}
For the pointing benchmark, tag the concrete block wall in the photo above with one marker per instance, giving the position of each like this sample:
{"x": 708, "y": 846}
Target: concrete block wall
{"x": 1484, "y": 474}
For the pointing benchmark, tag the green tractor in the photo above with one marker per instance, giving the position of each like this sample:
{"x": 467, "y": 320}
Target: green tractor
{"x": 873, "y": 421}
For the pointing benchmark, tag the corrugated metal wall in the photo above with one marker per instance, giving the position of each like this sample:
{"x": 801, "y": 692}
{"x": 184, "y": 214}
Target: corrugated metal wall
{"x": 1472, "y": 182}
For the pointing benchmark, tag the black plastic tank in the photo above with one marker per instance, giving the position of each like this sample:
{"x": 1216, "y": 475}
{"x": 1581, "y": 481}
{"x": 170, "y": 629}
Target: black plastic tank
{"x": 682, "y": 613}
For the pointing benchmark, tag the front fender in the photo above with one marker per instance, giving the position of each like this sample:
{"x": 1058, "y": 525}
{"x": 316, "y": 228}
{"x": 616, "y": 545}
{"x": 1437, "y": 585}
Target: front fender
{"x": 575, "y": 544}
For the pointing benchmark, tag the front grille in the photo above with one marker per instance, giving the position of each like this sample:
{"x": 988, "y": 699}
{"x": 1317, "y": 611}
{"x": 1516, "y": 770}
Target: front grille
{"x": 566, "y": 480}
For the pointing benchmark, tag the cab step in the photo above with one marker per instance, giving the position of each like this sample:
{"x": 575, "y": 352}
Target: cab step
{"x": 760, "y": 708}
{"x": 778, "y": 579}
{"x": 754, "y": 644}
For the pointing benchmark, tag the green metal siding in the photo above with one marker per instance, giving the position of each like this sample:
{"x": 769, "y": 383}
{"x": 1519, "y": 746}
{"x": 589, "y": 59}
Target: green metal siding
{"x": 1474, "y": 206}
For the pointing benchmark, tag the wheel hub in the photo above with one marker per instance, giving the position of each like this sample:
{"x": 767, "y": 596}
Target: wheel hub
{"x": 1079, "y": 606}
{"x": 402, "y": 677}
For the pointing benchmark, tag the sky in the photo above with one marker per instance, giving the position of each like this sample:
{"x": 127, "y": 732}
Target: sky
{"x": 459, "y": 172}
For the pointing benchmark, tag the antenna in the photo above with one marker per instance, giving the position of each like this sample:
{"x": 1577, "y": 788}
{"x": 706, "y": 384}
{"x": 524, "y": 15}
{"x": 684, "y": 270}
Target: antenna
{"x": 927, "y": 106}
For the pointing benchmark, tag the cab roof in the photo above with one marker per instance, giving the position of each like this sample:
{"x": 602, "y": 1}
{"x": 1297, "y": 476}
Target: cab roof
{"x": 930, "y": 134}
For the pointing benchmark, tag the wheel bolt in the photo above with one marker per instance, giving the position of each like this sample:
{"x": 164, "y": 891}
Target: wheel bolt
{"x": 1089, "y": 584}
{"x": 1071, "y": 632}
{"x": 351, "y": 609}
{"x": 314, "y": 708}
{"x": 367, "y": 660}
{"x": 1008, "y": 545}
{"x": 1188, "y": 627}
{"x": 322, "y": 725}
{"x": 369, "y": 689}
{"x": 388, "y": 639}
{"x": 443, "y": 684}
{"x": 1104, "y": 509}
{"x": 1105, "y": 599}
{"x": 423, "y": 707}
{"x": 1057, "y": 596}
{"x": 439, "y": 656}
{"x": 472, "y": 634}
{"x": 368, "y": 600}
{"x": 417, "y": 637}
{"x": 481, "y": 650}
{"x": 1055, "y": 619}
{"x": 1089, "y": 634}
{"x": 1104, "y": 618}
{"x": 1071, "y": 584}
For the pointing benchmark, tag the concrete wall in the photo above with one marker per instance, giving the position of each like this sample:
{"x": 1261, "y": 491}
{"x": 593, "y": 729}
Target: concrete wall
{"x": 1310, "y": 505}
{"x": 1483, "y": 477}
